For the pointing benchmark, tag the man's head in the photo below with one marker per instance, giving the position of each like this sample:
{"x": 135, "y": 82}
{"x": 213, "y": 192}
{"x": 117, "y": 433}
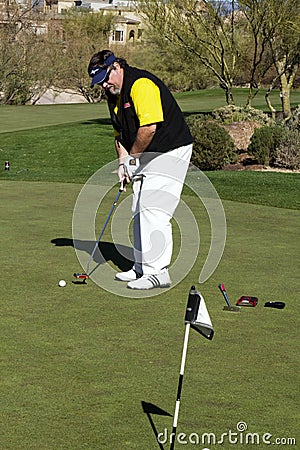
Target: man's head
{"x": 107, "y": 71}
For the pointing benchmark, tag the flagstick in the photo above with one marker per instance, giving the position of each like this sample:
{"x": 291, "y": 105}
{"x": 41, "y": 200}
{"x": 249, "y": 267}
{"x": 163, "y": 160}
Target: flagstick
{"x": 183, "y": 358}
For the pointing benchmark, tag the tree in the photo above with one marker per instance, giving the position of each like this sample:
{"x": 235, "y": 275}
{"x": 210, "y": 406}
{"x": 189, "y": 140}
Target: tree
{"x": 254, "y": 54}
{"x": 178, "y": 68}
{"x": 206, "y": 30}
{"x": 228, "y": 37}
{"x": 37, "y": 53}
{"x": 84, "y": 34}
{"x": 27, "y": 61}
{"x": 274, "y": 26}
{"x": 285, "y": 46}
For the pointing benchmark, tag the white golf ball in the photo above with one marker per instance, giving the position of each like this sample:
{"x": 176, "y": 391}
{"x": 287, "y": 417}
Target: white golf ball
{"x": 62, "y": 283}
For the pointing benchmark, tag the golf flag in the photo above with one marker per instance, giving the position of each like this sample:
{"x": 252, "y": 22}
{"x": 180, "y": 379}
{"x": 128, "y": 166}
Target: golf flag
{"x": 197, "y": 315}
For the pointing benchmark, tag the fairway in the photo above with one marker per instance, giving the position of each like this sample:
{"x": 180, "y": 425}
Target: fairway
{"x": 14, "y": 118}
{"x": 77, "y": 362}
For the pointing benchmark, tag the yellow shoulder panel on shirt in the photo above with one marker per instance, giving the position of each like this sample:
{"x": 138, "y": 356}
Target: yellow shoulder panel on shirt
{"x": 147, "y": 102}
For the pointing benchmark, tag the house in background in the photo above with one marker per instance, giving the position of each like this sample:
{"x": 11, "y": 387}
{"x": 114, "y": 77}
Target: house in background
{"x": 125, "y": 29}
{"x": 127, "y": 26}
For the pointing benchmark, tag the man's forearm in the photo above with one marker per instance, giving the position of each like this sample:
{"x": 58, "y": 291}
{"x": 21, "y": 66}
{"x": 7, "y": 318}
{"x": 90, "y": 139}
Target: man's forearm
{"x": 143, "y": 139}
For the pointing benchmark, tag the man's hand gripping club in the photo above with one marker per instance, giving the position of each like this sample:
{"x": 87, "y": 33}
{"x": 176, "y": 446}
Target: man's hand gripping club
{"x": 128, "y": 168}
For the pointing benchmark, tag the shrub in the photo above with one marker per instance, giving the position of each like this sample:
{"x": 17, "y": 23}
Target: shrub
{"x": 294, "y": 122}
{"x": 288, "y": 151}
{"x": 213, "y": 147}
{"x": 264, "y": 143}
{"x": 232, "y": 113}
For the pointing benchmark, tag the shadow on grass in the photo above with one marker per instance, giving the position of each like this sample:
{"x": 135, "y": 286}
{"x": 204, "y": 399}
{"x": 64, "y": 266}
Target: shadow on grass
{"x": 107, "y": 122}
{"x": 150, "y": 409}
{"x": 100, "y": 121}
{"x": 120, "y": 255}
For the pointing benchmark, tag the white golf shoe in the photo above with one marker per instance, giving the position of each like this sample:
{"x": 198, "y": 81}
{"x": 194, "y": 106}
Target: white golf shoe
{"x": 130, "y": 275}
{"x": 161, "y": 280}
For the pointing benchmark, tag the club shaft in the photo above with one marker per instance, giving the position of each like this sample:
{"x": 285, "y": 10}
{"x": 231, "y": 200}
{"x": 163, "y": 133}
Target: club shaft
{"x": 102, "y": 231}
{"x": 222, "y": 289}
{"x": 227, "y": 299}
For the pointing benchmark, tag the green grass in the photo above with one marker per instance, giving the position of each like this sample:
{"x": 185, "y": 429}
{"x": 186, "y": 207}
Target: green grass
{"x": 262, "y": 188}
{"x": 14, "y": 118}
{"x": 68, "y": 152}
{"x": 73, "y": 152}
{"x": 210, "y": 99}
{"x": 77, "y": 362}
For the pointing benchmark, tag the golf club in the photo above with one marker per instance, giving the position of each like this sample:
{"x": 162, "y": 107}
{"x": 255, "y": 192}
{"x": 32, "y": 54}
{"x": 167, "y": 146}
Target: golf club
{"x": 228, "y": 307}
{"x": 84, "y": 276}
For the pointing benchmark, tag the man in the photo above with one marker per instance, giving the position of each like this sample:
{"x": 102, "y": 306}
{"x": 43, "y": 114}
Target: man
{"x": 154, "y": 147}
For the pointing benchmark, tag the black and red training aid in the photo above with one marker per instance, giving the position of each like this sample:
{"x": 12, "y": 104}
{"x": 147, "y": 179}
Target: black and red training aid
{"x": 246, "y": 300}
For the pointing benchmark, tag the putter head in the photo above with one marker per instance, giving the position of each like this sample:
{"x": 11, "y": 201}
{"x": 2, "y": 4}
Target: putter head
{"x": 81, "y": 276}
{"x": 232, "y": 308}
{"x": 246, "y": 300}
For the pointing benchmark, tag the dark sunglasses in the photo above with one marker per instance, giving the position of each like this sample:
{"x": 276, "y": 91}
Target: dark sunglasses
{"x": 106, "y": 77}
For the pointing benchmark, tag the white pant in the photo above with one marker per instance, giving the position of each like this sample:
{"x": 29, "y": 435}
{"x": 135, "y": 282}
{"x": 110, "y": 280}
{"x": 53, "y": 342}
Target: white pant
{"x": 156, "y": 194}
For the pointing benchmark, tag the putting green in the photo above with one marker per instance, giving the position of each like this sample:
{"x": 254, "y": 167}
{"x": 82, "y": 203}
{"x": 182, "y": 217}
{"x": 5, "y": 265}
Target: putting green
{"x": 77, "y": 362}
